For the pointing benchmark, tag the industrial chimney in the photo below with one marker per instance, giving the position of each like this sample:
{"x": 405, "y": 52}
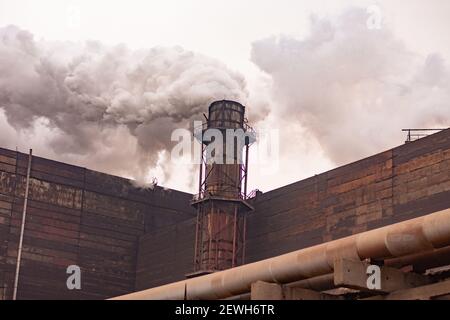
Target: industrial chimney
{"x": 221, "y": 203}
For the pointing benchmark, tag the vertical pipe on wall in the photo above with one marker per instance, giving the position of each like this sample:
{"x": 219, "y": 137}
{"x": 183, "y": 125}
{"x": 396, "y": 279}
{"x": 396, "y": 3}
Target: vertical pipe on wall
{"x": 201, "y": 174}
{"x": 246, "y": 171}
{"x": 198, "y": 230}
{"x": 22, "y": 227}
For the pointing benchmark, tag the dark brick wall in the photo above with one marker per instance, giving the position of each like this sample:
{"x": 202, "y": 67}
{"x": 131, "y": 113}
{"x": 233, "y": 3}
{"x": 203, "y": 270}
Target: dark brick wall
{"x": 395, "y": 185}
{"x": 126, "y": 239}
{"x": 76, "y": 216}
{"x": 399, "y": 184}
{"x": 166, "y": 255}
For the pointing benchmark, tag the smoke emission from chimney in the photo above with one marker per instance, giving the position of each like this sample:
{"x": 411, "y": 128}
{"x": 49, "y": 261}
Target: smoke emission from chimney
{"x": 109, "y": 108}
{"x": 340, "y": 93}
{"x": 352, "y": 87}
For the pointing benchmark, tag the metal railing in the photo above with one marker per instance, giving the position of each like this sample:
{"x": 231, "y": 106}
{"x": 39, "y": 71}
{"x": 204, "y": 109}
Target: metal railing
{"x": 253, "y": 193}
{"x": 206, "y": 194}
{"x": 210, "y": 124}
{"x": 415, "y": 134}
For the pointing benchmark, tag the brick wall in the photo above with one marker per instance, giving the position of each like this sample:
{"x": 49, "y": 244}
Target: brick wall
{"x": 166, "y": 255}
{"x": 399, "y": 184}
{"x": 76, "y": 216}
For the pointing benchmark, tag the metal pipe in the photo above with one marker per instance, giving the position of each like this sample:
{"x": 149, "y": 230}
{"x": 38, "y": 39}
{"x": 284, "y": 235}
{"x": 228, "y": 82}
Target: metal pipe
{"x": 22, "y": 227}
{"x": 320, "y": 283}
{"x": 422, "y": 260}
{"x": 400, "y": 239}
{"x": 200, "y": 173}
{"x": 246, "y": 171}
{"x": 244, "y": 296}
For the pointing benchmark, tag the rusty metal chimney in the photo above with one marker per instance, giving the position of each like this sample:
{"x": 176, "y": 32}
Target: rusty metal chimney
{"x": 221, "y": 202}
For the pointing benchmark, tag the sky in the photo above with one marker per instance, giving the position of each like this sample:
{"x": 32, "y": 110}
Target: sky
{"x": 221, "y": 29}
{"x": 334, "y": 87}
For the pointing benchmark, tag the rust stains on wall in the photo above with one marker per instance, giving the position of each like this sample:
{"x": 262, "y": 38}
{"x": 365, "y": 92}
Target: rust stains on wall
{"x": 126, "y": 239}
{"x": 76, "y": 216}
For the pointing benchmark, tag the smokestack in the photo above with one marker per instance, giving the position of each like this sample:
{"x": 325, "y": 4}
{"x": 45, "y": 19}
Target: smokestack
{"x": 221, "y": 203}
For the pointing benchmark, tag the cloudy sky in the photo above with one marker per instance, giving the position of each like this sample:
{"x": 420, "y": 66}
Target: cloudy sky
{"x": 103, "y": 84}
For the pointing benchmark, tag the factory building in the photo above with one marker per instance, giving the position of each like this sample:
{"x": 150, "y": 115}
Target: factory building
{"x": 389, "y": 210}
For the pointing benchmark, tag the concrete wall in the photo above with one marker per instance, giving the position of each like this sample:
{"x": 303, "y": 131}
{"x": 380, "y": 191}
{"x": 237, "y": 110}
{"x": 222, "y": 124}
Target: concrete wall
{"x": 76, "y": 216}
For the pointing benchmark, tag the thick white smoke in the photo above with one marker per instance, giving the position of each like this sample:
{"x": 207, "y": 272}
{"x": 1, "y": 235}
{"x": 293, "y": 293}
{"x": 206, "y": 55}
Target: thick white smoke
{"x": 354, "y": 88}
{"x": 347, "y": 87}
{"x": 109, "y": 108}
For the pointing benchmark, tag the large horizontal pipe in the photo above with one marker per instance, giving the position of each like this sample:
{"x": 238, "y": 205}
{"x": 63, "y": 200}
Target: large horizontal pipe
{"x": 420, "y": 261}
{"x": 400, "y": 239}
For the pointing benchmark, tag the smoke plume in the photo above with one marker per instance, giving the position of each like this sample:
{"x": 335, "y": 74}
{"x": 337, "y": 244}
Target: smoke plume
{"x": 352, "y": 87}
{"x": 344, "y": 88}
{"x": 109, "y": 108}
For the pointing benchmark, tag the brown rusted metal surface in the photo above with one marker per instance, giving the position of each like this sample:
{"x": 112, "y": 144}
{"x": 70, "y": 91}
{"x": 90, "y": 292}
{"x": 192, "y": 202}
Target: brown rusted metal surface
{"x": 392, "y": 186}
{"x": 360, "y": 196}
{"x": 319, "y": 283}
{"x": 404, "y": 238}
{"x": 422, "y": 261}
{"x": 78, "y": 217}
{"x": 396, "y": 185}
{"x": 220, "y": 204}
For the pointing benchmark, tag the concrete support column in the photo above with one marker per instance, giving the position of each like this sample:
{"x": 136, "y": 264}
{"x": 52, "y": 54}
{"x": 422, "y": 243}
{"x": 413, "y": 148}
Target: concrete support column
{"x": 261, "y": 290}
